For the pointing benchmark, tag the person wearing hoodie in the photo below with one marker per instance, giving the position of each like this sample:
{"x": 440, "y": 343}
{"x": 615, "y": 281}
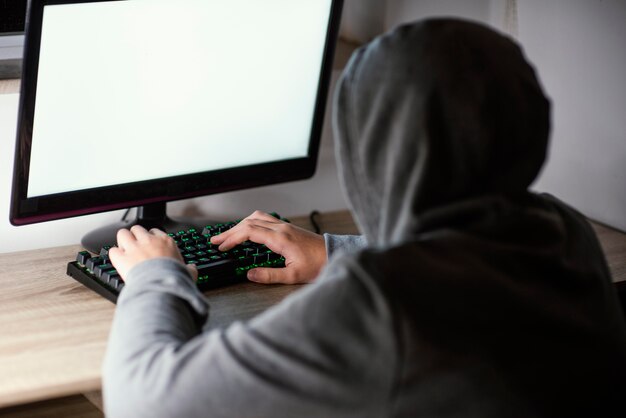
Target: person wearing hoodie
{"x": 467, "y": 296}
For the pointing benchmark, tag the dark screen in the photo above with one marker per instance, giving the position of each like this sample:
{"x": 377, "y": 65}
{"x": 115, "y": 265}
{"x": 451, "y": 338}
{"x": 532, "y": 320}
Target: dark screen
{"x": 12, "y": 16}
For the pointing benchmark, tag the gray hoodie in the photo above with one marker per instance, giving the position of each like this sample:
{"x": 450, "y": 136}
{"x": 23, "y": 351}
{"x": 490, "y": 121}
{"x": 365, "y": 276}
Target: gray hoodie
{"x": 472, "y": 298}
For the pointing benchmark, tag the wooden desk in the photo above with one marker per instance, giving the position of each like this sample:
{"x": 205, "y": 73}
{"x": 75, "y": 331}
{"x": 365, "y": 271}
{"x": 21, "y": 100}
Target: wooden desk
{"x": 53, "y": 331}
{"x": 614, "y": 245}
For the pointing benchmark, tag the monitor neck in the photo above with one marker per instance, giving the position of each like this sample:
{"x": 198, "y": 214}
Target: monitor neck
{"x": 153, "y": 215}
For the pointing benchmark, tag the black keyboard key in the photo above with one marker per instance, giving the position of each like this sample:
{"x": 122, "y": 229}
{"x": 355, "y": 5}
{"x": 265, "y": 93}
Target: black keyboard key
{"x": 94, "y": 261}
{"x": 83, "y": 256}
{"x": 108, "y": 275}
{"x": 235, "y": 253}
{"x": 273, "y": 256}
{"x": 99, "y": 269}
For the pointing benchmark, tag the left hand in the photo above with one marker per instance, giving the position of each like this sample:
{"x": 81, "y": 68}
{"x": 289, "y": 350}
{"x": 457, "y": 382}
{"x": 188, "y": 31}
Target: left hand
{"x": 304, "y": 251}
{"x": 137, "y": 245}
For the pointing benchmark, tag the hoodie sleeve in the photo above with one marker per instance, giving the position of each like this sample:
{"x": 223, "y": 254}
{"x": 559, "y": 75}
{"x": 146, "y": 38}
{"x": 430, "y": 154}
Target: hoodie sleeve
{"x": 336, "y": 244}
{"x": 327, "y": 350}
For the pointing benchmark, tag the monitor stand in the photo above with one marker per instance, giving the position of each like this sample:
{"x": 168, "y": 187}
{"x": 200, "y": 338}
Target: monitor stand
{"x": 153, "y": 215}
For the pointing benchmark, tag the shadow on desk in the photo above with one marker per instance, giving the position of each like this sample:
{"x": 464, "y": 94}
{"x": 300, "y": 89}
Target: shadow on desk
{"x": 613, "y": 244}
{"x": 70, "y": 407}
{"x": 621, "y": 293}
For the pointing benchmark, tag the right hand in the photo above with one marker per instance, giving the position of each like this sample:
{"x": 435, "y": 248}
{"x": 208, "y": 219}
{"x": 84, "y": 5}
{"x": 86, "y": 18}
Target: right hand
{"x": 137, "y": 245}
{"x": 304, "y": 251}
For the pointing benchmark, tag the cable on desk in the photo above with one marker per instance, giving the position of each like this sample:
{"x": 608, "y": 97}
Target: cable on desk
{"x": 126, "y": 214}
{"x": 316, "y": 226}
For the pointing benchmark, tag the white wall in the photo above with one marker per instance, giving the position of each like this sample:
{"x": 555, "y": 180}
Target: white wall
{"x": 402, "y": 11}
{"x": 579, "y": 48}
{"x": 362, "y": 20}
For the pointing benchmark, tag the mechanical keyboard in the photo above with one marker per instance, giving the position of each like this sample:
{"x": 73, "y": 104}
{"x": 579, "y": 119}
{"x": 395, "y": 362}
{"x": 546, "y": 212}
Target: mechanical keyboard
{"x": 215, "y": 268}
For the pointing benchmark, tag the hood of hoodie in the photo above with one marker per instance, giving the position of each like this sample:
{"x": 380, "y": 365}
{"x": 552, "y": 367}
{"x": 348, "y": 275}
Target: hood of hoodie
{"x": 431, "y": 116}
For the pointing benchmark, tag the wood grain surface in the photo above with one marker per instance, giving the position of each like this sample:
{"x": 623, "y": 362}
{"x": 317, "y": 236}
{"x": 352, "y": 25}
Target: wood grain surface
{"x": 9, "y": 86}
{"x": 53, "y": 330}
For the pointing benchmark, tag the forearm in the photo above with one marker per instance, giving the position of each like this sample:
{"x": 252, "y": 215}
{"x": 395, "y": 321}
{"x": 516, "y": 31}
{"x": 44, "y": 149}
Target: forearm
{"x": 276, "y": 365}
{"x": 158, "y": 312}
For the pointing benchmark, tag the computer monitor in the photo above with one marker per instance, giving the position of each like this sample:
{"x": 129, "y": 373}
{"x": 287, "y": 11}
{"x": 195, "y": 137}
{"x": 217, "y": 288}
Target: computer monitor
{"x": 135, "y": 103}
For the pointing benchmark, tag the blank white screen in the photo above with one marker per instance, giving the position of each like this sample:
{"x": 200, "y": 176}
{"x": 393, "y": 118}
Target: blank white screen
{"x": 144, "y": 89}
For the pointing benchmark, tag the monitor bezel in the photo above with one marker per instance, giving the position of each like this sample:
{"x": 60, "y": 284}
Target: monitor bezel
{"x": 27, "y": 210}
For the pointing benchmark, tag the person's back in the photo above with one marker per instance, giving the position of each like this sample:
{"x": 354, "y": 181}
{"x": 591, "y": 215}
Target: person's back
{"x": 515, "y": 321}
{"x": 502, "y": 299}
{"x": 473, "y": 297}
